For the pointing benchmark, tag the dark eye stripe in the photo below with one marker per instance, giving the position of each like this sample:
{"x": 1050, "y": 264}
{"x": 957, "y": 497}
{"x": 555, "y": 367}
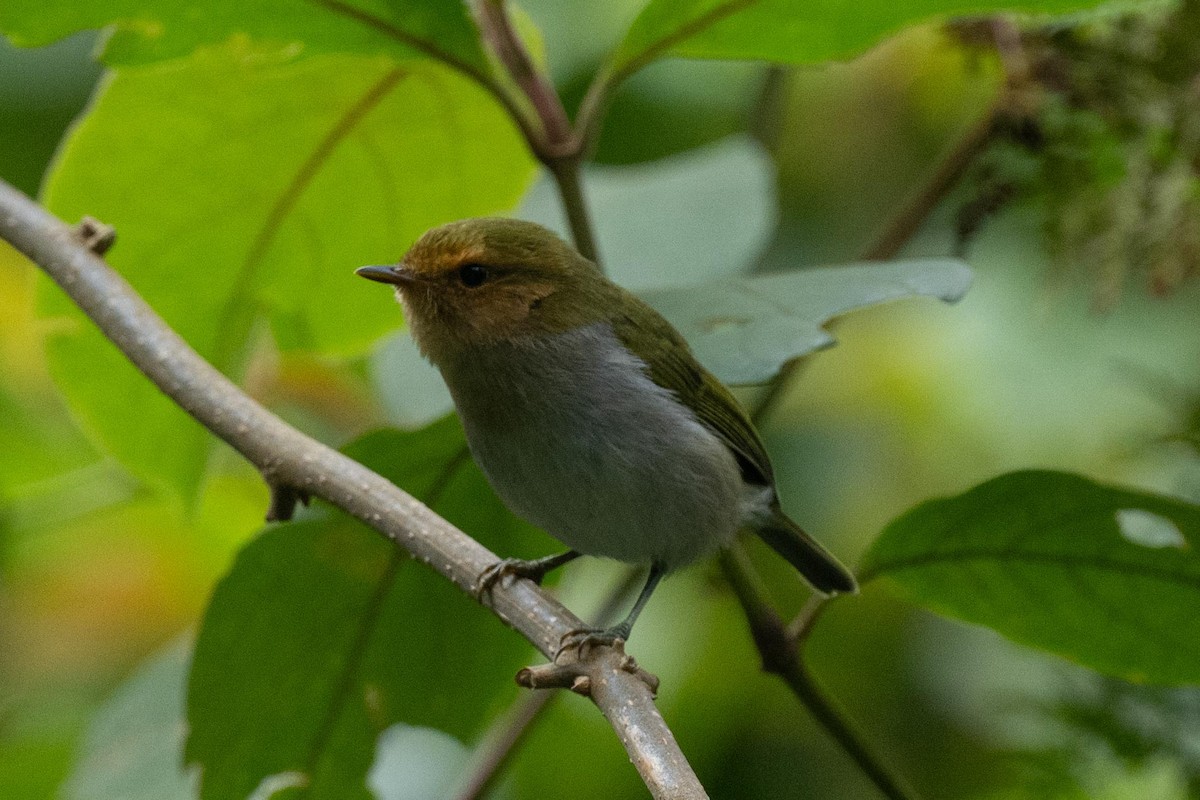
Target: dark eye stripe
{"x": 472, "y": 275}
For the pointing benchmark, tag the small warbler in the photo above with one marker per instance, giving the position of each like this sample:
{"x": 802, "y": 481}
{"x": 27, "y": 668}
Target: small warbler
{"x": 587, "y": 411}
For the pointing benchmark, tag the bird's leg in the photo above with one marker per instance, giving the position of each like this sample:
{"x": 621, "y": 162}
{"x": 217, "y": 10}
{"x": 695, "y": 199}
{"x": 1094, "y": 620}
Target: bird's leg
{"x": 587, "y": 637}
{"x": 534, "y": 570}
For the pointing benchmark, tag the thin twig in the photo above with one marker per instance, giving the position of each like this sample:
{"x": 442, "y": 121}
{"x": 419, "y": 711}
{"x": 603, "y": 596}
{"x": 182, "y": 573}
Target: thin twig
{"x": 558, "y": 146}
{"x": 501, "y": 36}
{"x": 595, "y": 101}
{"x": 286, "y": 456}
{"x": 905, "y": 224}
{"x": 501, "y": 741}
{"x": 781, "y": 656}
{"x": 801, "y": 626}
{"x": 837, "y": 724}
{"x": 782, "y": 647}
{"x": 566, "y": 174}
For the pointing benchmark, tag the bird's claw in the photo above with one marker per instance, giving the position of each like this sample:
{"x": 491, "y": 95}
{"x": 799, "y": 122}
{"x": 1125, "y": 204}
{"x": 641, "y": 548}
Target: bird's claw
{"x": 507, "y": 568}
{"x": 584, "y": 639}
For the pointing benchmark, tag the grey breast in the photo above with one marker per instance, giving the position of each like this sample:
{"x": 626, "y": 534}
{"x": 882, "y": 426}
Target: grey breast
{"x": 575, "y": 437}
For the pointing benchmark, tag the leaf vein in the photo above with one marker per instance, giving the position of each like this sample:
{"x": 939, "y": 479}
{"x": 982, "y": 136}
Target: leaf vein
{"x": 237, "y": 315}
{"x": 1065, "y": 561}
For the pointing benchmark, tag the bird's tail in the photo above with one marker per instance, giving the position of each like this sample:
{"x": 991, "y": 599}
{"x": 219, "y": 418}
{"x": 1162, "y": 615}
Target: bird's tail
{"x": 818, "y": 566}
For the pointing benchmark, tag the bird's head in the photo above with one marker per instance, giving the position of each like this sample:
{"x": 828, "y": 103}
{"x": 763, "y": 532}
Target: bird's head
{"x": 481, "y": 281}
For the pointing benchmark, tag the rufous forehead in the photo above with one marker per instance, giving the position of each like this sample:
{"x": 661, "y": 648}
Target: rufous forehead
{"x": 442, "y": 259}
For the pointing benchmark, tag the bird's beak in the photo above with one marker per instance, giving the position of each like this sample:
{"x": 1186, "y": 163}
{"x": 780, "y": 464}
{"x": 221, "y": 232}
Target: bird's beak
{"x": 394, "y": 274}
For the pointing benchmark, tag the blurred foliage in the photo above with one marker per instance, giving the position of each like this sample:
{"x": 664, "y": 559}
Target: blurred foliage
{"x": 1101, "y": 127}
{"x": 132, "y": 746}
{"x": 252, "y": 155}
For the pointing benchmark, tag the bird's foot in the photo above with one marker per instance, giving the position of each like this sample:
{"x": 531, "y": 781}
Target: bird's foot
{"x": 534, "y": 569}
{"x": 508, "y": 568}
{"x": 584, "y": 639}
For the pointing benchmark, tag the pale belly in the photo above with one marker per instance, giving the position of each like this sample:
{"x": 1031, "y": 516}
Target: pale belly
{"x": 599, "y": 456}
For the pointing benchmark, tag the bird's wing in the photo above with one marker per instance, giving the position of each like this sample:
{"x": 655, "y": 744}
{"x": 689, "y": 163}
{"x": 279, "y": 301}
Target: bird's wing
{"x": 672, "y": 366}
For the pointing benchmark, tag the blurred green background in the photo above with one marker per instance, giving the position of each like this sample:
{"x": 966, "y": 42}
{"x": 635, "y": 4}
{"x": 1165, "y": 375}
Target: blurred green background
{"x": 918, "y": 400}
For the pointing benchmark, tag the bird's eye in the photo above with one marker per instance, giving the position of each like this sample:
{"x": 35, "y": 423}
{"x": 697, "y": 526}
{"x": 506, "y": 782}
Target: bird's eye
{"x": 472, "y": 275}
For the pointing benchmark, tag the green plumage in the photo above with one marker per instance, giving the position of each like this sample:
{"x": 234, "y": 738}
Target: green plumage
{"x": 672, "y": 366}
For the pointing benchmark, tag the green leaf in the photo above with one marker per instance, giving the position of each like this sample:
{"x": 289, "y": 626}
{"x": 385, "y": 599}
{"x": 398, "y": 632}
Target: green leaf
{"x": 245, "y": 191}
{"x": 1104, "y": 576}
{"x": 790, "y": 31}
{"x": 132, "y": 747}
{"x": 323, "y": 634}
{"x": 745, "y": 329}
{"x": 33, "y": 765}
{"x": 155, "y": 30}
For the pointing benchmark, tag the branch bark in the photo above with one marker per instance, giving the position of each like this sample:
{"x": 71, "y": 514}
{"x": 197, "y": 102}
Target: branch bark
{"x": 287, "y": 457}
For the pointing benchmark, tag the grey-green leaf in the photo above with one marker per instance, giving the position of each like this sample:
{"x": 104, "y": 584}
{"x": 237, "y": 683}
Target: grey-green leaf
{"x": 694, "y": 216}
{"x": 1104, "y": 576}
{"x": 133, "y": 747}
{"x": 744, "y": 329}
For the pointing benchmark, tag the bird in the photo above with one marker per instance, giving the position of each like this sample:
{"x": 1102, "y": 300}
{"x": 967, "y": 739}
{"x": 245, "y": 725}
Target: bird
{"x": 587, "y": 411}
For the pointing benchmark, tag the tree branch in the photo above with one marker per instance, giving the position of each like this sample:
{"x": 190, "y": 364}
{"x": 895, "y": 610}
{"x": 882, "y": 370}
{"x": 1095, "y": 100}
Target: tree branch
{"x": 780, "y": 648}
{"x": 285, "y": 456}
{"x": 558, "y": 145}
{"x": 500, "y": 35}
{"x": 566, "y": 174}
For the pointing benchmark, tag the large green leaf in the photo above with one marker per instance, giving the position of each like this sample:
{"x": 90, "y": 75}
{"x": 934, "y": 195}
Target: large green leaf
{"x": 323, "y": 634}
{"x": 152, "y": 30}
{"x": 790, "y": 31}
{"x": 1104, "y": 576}
{"x": 744, "y": 329}
{"x": 244, "y": 191}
